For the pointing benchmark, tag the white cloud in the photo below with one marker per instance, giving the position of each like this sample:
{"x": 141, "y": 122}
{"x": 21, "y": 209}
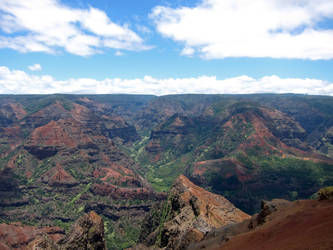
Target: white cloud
{"x": 19, "y": 82}
{"x": 250, "y": 28}
{"x": 187, "y": 51}
{"x": 118, "y": 53}
{"x": 35, "y": 67}
{"x": 48, "y": 25}
{"x": 143, "y": 29}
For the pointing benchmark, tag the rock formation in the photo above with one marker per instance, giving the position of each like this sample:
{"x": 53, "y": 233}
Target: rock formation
{"x": 302, "y": 224}
{"x": 18, "y": 236}
{"x": 189, "y": 213}
{"x": 86, "y": 233}
{"x": 64, "y": 155}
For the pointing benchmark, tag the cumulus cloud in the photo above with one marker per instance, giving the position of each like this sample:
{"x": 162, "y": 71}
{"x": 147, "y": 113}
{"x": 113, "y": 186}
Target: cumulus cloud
{"x": 250, "y": 28}
{"x": 48, "y": 25}
{"x": 19, "y": 82}
{"x": 35, "y": 67}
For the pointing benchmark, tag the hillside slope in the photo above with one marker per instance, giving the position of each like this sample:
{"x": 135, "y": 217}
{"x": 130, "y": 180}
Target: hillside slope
{"x": 189, "y": 213}
{"x": 64, "y": 155}
{"x": 303, "y": 224}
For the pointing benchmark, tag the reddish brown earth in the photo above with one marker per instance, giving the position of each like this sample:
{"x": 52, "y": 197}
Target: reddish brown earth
{"x": 54, "y": 134}
{"x": 299, "y": 225}
{"x": 305, "y": 225}
{"x": 270, "y": 132}
{"x": 216, "y": 210}
{"x": 80, "y": 130}
{"x": 86, "y": 233}
{"x": 16, "y": 236}
{"x": 232, "y": 168}
{"x": 57, "y": 176}
{"x": 59, "y": 141}
{"x": 191, "y": 212}
{"x": 13, "y": 136}
{"x": 271, "y": 140}
{"x": 18, "y": 110}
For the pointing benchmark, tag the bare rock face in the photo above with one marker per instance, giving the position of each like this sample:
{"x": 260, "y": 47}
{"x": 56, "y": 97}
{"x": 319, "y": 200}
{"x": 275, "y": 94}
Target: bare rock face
{"x": 190, "y": 213}
{"x": 281, "y": 224}
{"x": 42, "y": 242}
{"x": 326, "y": 193}
{"x": 269, "y": 207}
{"x": 87, "y": 233}
{"x": 17, "y": 236}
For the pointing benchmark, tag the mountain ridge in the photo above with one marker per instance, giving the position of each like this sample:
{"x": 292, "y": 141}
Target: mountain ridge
{"x": 119, "y": 154}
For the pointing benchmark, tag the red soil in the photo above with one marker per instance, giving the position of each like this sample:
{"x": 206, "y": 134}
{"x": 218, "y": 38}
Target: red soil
{"x": 58, "y": 176}
{"x": 51, "y": 134}
{"x": 306, "y": 224}
{"x": 16, "y": 236}
{"x": 18, "y": 110}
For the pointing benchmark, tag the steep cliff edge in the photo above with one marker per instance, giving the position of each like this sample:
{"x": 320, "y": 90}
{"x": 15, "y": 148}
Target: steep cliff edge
{"x": 194, "y": 219}
{"x": 189, "y": 213}
{"x": 302, "y": 224}
{"x": 86, "y": 233}
{"x": 65, "y": 155}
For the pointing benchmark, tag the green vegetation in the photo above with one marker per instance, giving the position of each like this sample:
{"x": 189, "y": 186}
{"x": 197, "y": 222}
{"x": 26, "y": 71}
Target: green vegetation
{"x": 123, "y": 236}
{"x": 162, "y": 176}
{"x": 326, "y": 193}
{"x": 275, "y": 177}
{"x": 176, "y": 133}
{"x": 34, "y": 103}
{"x": 41, "y": 169}
{"x": 164, "y": 217}
{"x": 65, "y": 225}
{"x": 84, "y": 190}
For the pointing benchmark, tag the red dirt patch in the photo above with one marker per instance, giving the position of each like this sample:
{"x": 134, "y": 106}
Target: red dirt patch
{"x": 51, "y": 134}
{"x": 18, "y": 237}
{"x": 18, "y": 110}
{"x": 305, "y": 225}
{"x": 58, "y": 176}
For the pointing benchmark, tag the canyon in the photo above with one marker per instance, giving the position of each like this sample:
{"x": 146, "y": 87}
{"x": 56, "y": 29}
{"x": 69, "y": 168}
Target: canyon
{"x": 126, "y": 156}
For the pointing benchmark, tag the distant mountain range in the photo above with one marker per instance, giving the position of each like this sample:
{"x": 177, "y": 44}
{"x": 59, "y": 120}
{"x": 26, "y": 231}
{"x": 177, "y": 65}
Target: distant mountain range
{"x": 118, "y": 155}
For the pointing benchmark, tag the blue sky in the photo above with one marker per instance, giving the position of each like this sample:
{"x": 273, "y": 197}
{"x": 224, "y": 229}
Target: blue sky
{"x": 165, "y": 47}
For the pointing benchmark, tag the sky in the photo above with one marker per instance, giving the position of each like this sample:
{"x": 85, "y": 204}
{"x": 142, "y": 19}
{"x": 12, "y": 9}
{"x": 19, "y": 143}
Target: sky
{"x": 166, "y": 46}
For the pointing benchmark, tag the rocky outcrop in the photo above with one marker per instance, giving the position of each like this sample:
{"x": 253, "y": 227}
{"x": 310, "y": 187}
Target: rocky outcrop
{"x": 86, "y": 233}
{"x": 232, "y": 144}
{"x": 17, "y": 236}
{"x": 326, "y": 193}
{"x": 268, "y": 208}
{"x": 190, "y": 213}
{"x": 302, "y": 224}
